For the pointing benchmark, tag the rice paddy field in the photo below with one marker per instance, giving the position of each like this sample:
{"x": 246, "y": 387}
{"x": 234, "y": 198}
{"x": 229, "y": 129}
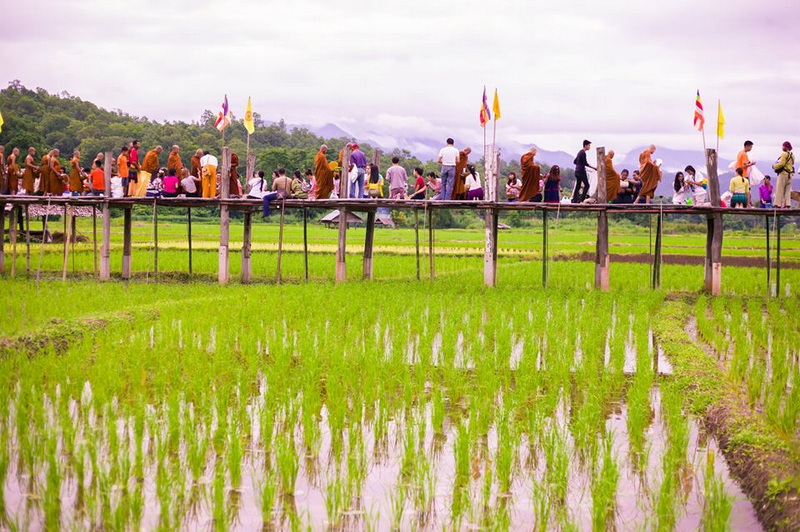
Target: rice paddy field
{"x": 398, "y": 404}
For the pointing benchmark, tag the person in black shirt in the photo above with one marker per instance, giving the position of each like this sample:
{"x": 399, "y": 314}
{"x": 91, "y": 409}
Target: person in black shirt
{"x": 581, "y": 180}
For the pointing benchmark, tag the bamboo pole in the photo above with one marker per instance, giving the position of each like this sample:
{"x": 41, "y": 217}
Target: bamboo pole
{"x": 416, "y": 239}
{"x": 224, "y": 217}
{"x": 189, "y": 235}
{"x": 105, "y": 256}
{"x": 27, "y": 242}
{"x": 280, "y": 241}
{"x": 305, "y": 241}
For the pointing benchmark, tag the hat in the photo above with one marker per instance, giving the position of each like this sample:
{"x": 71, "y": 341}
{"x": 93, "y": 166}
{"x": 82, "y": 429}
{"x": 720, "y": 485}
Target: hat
{"x": 787, "y": 145}
{"x": 355, "y": 146}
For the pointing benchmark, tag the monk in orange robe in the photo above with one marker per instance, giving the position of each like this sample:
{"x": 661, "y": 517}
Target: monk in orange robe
{"x": 612, "y": 178}
{"x": 233, "y": 181}
{"x": 349, "y": 146}
{"x": 44, "y": 174}
{"x": 29, "y": 176}
{"x": 195, "y": 164}
{"x": 75, "y": 180}
{"x": 57, "y": 176}
{"x": 149, "y": 167}
{"x": 174, "y": 160}
{"x": 323, "y": 174}
{"x": 649, "y": 173}
{"x": 12, "y": 172}
{"x": 459, "y": 184}
{"x": 531, "y": 175}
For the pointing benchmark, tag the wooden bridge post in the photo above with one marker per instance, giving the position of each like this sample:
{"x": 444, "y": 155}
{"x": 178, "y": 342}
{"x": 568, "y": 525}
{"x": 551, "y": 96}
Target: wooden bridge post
{"x": 656, "y": 281}
{"x": 713, "y": 261}
{"x": 490, "y": 249}
{"x": 126, "y": 241}
{"x": 3, "y": 238}
{"x": 341, "y": 249}
{"x": 155, "y": 238}
{"x": 777, "y": 255}
{"x": 189, "y": 235}
{"x": 416, "y": 238}
{"x": 769, "y": 261}
{"x": 305, "y": 242}
{"x": 246, "y": 242}
{"x": 431, "y": 270}
{"x": 545, "y": 251}
{"x": 224, "y": 217}
{"x": 28, "y": 241}
{"x": 602, "y": 258}
{"x": 69, "y": 234}
{"x": 369, "y": 240}
{"x": 12, "y": 236}
{"x": 105, "y": 253}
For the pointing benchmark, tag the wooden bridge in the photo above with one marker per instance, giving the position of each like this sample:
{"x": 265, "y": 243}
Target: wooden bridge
{"x": 490, "y": 209}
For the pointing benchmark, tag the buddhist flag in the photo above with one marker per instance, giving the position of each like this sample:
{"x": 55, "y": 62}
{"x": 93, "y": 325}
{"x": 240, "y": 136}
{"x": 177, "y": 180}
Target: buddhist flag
{"x": 249, "y": 125}
{"x": 1, "y": 124}
{"x": 496, "y": 106}
{"x": 224, "y": 116}
{"x": 699, "y": 119}
{"x": 720, "y": 121}
{"x": 485, "y": 114}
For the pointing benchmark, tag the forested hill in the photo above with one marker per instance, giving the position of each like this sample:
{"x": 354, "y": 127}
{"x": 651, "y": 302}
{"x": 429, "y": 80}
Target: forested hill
{"x": 46, "y": 121}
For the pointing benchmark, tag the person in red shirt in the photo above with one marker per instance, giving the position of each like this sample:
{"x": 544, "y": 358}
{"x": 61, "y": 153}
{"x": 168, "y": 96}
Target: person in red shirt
{"x": 98, "y": 179}
{"x": 419, "y": 185}
{"x": 133, "y": 168}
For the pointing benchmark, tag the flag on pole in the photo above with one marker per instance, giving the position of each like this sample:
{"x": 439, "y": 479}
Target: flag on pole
{"x": 720, "y": 121}
{"x": 1, "y": 122}
{"x": 485, "y": 114}
{"x": 699, "y": 119}
{"x": 496, "y": 106}
{"x": 224, "y": 116}
{"x": 249, "y": 125}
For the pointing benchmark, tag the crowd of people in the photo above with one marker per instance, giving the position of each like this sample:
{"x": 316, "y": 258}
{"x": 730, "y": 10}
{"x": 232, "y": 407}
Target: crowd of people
{"x": 459, "y": 179}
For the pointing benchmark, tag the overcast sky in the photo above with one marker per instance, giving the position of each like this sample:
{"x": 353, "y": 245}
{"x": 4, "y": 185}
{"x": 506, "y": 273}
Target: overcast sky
{"x": 622, "y": 73}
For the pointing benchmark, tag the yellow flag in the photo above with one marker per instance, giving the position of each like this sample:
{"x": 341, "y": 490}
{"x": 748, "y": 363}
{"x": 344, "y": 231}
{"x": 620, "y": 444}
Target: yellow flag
{"x": 249, "y": 125}
{"x": 496, "y": 106}
{"x": 720, "y": 121}
{"x": 1, "y": 122}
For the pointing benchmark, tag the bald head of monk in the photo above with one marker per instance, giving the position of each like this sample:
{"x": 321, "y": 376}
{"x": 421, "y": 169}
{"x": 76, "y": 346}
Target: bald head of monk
{"x": 198, "y": 153}
{"x": 610, "y": 154}
{"x": 15, "y": 152}
{"x": 159, "y": 149}
{"x": 55, "y": 152}
{"x": 467, "y": 150}
{"x": 652, "y": 148}
{"x": 76, "y": 153}
{"x": 2, "y": 149}
{"x": 176, "y": 148}
{"x": 323, "y": 148}
{"x": 533, "y": 150}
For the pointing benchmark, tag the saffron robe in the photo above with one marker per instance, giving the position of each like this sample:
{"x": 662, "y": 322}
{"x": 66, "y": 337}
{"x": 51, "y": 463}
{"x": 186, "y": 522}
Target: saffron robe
{"x": 612, "y": 181}
{"x": 324, "y": 176}
{"x": 649, "y": 173}
{"x": 459, "y": 184}
{"x": 174, "y": 161}
{"x": 28, "y": 177}
{"x": 75, "y": 181}
{"x": 12, "y": 174}
{"x": 531, "y": 175}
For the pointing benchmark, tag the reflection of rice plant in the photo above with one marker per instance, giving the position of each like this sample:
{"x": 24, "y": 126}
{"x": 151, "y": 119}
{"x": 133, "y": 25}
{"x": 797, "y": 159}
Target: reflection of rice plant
{"x": 604, "y": 488}
{"x": 717, "y": 504}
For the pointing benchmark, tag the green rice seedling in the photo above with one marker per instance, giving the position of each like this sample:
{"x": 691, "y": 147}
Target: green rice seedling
{"x": 234, "y": 455}
{"x": 398, "y": 504}
{"x": 717, "y": 504}
{"x": 219, "y": 514}
{"x": 557, "y": 473}
{"x": 52, "y": 491}
{"x": 267, "y": 492}
{"x": 287, "y": 463}
{"x": 604, "y": 488}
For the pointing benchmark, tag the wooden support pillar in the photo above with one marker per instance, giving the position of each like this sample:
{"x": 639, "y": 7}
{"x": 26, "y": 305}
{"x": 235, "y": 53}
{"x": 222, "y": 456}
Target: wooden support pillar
{"x": 94, "y": 239}
{"x": 246, "y": 241}
{"x": 68, "y": 223}
{"x": 431, "y": 270}
{"x": 13, "y": 234}
{"x": 305, "y": 242}
{"x": 3, "y": 238}
{"x": 769, "y": 261}
{"x": 341, "y": 249}
{"x": 369, "y": 239}
{"x": 713, "y": 261}
{"x": 250, "y": 170}
{"x": 656, "y": 281}
{"x": 155, "y": 238}
{"x": 126, "y": 242}
{"x": 27, "y": 241}
{"x": 490, "y": 249}
{"x": 602, "y": 257}
{"x": 105, "y": 254}
{"x": 278, "y": 275}
{"x": 224, "y": 217}
{"x": 416, "y": 238}
{"x": 545, "y": 251}
{"x": 189, "y": 235}
{"x": 777, "y": 255}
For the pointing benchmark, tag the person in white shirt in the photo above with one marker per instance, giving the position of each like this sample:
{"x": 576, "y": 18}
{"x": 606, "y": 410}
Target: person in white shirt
{"x": 257, "y": 187}
{"x": 682, "y": 189}
{"x": 473, "y": 184}
{"x": 208, "y": 166}
{"x": 447, "y": 159}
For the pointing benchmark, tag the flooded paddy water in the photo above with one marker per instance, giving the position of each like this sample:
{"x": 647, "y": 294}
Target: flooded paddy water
{"x": 425, "y": 414}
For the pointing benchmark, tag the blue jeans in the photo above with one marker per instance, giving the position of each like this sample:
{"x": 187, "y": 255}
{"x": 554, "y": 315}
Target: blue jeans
{"x": 448, "y": 180}
{"x": 358, "y": 184}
